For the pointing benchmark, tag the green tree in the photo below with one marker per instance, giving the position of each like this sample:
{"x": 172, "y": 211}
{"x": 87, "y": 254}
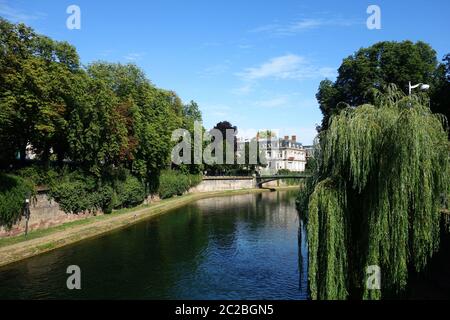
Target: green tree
{"x": 35, "y": 80}
{"x": 375, "y": 67}
{"x": 97, "y": 131}
{"x": 382, "y": 171}
{"x": 440, "y": 96}
{"x": 229, "y": 142}
{"x": 191, "y": 115}
{"x": 149, "y": 114}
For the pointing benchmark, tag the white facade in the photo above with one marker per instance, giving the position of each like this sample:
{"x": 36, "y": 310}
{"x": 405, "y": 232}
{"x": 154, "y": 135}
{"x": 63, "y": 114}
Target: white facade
{"x": 284, "y": 153}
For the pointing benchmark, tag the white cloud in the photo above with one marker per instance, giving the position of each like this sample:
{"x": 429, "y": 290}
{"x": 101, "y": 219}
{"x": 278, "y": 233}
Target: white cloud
{"x": 279, "y": 67}
{"x": 289, "y": 29}
{"x": 17, "y": 15}
{"x": 135, "y": 56}
{"x": 289, "y": 66}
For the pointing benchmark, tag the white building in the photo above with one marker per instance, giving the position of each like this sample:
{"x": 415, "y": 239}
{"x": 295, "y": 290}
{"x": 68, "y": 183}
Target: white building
{"x": 284, "y": 153}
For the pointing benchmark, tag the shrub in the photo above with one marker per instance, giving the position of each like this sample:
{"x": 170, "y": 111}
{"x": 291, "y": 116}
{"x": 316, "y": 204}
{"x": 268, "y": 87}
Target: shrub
{"x": 38, "y": 175}
{"x": 129, "y": 192}
{"x": 13, "y": 192}
{"x": 74, "y": 196}
{"x": 174, "y": 183}
{"x": 79, "y": 192}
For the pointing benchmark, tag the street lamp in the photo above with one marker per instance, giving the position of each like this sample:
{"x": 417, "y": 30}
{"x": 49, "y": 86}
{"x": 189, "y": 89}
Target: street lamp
{"x": 26, "y": 213}
{"x": 423, "y": 87}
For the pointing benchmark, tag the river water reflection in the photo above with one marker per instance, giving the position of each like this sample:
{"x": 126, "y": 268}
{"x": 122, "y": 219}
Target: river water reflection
{"x": 237, "y": 247}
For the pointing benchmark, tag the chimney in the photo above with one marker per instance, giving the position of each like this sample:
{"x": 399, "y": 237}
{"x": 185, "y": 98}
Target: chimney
{"x": 294, "y": 138}
{"x": 286, "y": 138}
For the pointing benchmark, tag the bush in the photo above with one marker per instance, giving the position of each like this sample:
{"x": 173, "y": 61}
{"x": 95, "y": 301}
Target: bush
{"x": 13, "y": 192}
{"x": 78, "y": 192}
{"x": 38, "y": 175}
{"x": 173, "y": 183}
{"x": 129, "y": 192}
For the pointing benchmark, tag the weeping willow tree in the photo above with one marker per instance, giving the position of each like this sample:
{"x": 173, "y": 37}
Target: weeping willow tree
{"x": 384, "y": 169}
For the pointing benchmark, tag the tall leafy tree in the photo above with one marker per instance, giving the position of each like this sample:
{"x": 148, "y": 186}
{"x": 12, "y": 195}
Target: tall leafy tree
{"x": 383, "y": 169}
{"x": 441, "y": 93}
{"x": 228, "y": 142}
{"x": 375, "y": 67}
{"x": 191, "y": 115}
{"x": 97, "y": 131}
{"x": 35, "y": 79}
{"x": 148, "y": 115}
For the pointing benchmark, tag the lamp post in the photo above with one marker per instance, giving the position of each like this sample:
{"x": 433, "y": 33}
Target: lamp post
{"x": 27, "y": 213}
{"x": 423, "y": 87}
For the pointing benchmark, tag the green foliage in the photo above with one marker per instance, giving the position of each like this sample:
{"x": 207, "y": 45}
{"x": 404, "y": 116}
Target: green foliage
{"x": 35, "y": 79}
{"x": 380, "y": 65}
{"x": 307, "y": 187}
{"x": 13, "y": 192}
{"x": 129, "y": 192}
{"x": 38, "y": 175}
{"x": 173, "y": 183}
{"x": 105, "y": 116}
{"x": 327, "y": 241}
{"x": 440, "y": 94}
{"x": 383, "y": 171}
{"x": 78, "y": 192}
{"x": 99, "y": 120}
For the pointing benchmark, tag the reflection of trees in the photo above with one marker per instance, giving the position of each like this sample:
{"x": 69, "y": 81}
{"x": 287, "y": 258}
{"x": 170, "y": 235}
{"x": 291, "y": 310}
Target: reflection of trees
{"x": 255, "y": 209}
{"x": 302, "y": 257}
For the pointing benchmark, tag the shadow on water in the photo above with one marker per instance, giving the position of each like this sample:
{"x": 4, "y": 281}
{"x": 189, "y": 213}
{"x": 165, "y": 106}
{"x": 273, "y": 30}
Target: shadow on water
{"x": 303, "y": 257}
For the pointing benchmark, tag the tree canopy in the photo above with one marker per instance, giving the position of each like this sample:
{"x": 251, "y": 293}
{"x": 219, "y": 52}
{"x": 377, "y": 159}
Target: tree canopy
{"x": 379, "y": 65}
{"x": 35, "y": 83}
{"x": 101, "y": 118}
{"x": 383, "y": 171}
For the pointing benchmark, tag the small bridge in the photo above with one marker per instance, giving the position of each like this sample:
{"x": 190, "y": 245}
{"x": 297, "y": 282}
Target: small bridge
{"x": 260, "y": 180}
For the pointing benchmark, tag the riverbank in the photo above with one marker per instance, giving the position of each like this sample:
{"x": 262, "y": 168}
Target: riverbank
{"x": 18, "y": 248}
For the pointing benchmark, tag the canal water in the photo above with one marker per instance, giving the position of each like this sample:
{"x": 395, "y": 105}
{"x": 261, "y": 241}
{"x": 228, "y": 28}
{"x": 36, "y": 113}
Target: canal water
{"x": 237, "y": 247}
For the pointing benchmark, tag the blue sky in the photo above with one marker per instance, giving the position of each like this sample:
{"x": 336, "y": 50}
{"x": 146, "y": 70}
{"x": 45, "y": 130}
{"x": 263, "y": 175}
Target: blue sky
{"x": 254, "y": 63}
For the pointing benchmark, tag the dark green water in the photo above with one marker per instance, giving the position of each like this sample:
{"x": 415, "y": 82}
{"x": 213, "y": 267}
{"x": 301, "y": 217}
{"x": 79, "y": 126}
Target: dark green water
{"x": 238, "y": 247}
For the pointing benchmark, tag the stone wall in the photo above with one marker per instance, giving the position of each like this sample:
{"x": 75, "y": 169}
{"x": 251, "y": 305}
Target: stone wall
{"x": 44, "y": 213}
{"x": 210, "y": 184}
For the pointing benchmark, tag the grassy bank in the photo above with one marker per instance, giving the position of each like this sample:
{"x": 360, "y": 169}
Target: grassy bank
{"x": 18, "y": 248}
